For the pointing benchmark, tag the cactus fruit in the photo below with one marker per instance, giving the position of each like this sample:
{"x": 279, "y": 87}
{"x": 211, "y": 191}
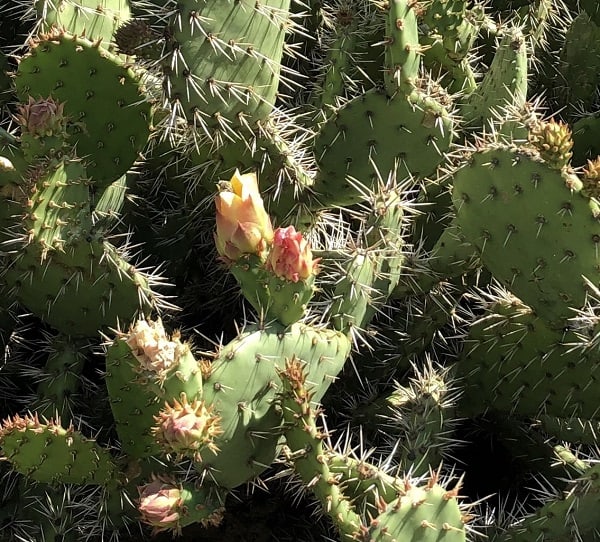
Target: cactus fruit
{"x": 554, "y": 143}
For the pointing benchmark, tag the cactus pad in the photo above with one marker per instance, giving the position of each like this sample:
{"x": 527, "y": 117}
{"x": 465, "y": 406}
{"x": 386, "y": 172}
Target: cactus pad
{"x": 50, "y": 453}
{"x": 102, "y": 97}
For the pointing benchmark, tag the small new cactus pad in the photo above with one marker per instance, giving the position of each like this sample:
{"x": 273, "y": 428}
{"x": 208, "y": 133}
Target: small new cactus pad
{"x": 504, "y": 84}
{"x": 144, "y": 368}
{"x": 536, "y": 232}
{"x": 61, "y": 381}
{"x": 47, "y": 452}
{"x": 101, "y": 96}
{"x": 579, "y": 64}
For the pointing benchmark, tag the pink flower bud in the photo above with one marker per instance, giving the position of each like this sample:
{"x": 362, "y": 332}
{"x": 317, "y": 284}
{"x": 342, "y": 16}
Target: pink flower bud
{"x": 187, "y": 428}
{"x": 243, "y": 225}
{"x": 291, "y": 257}
{"x": 160, "y": 504}
{"x": 42, "y": 117}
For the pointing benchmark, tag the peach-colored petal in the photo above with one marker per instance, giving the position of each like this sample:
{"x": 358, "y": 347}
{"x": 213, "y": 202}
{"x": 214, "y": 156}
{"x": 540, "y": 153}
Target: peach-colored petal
{"x": 243, "y": 225}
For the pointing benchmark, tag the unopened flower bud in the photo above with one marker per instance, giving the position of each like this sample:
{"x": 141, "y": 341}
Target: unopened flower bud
{"x": 187, "y": 428}
{"x": 42, "y": 117}
{"x": 291, "y": 257}
{"x": 160, "y": 505}
{"x": 243, "y": 225}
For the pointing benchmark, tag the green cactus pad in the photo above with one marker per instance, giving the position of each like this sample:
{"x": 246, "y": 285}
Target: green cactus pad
{"x": 535, "y": 231}
{"x": 223, "y": 73}
{"x": 62, "y": 269}
{"x": 354, "y": 297}
{"x": 242, "y": 388}
{"x": 572, "y": 516}
{"x": 94, "y": 19}
{"x": 409, "y": 135}
{"x": 60, "y": 386}
{"x": 513, "y": 362}
{"x": 586, "y": 139}
{"x": 422, "y": 513}
{"x": 449, "y": 31}
{"x": 102, "y": 97}
{"x": 579, "y": 65}
{"x": 52, "y": 454}
{"x": 145, "y": 368}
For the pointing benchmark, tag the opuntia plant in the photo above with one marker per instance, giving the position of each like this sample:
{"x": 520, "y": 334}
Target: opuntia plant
{"x": 288, "y": 256}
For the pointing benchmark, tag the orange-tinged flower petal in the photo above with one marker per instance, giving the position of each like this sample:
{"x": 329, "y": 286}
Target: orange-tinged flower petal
{"x": 244, "y": 185}
{"x": 243, "y": 225}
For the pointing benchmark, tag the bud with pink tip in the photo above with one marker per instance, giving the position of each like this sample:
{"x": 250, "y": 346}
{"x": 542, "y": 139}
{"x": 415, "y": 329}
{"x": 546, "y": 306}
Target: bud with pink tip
{"x": 187, "y": 428}
{"x": 167, "y": 505}
{"x": 42, "y": 117}
{"x": 291, "y": 257}
{"x": 243, "y": 225}
{"x": 160, "y": 505}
